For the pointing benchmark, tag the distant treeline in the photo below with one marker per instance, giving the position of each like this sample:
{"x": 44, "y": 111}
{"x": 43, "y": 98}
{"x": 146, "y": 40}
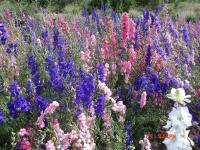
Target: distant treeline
{"x": 117, "y": 5}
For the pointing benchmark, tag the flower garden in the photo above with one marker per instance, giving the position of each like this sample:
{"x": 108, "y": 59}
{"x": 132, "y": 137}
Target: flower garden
{"x": 104, "y": 81}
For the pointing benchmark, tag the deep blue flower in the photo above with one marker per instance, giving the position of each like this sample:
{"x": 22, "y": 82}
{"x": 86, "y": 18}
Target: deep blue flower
{"x": 29, "y": 89}
{"x": 55, "y": 79}
{"x": 164, "y": 87}
{"x": 57, "y": 40}
{"x": 84, "y": 10}
{"x": 129, "y": 136}
{"x": 99, "y": 106}
{"x": 84, "y": 90}
{"x": 71, "y": 70}
{"x": 3, "y": 33}
{"x": 198, "y": 141}
{"x": 150, "y": 89}
{"x": 186, "y": 37}
{"x": 101, "y": 72}
{"x": 159, "y": 49}
{"x": 18, "y": 104}
{"x": 103, "y": 7}
{"x": 2, "y": 119}
{"x": 35, "y": 72}
{"x": 175, "y": 83}
{"x": 41, "y": 103}
{"x": 148, "y": 56}
{"x": 146, "y": 14}
{"x": 141, "y": 83}
{"x": 173, "y": 31}
{"x": 144, "y": 82}
{"x": 119, "y": 92}
{"x": 46, "y": 39}
{"x": 62, "y": 63}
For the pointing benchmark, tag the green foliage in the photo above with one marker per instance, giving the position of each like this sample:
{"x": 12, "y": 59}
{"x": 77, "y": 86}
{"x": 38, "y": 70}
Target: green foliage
{"x": 117, "y": 5}
{"x": 147, "y": 120}
{"x": 190, "y": 18}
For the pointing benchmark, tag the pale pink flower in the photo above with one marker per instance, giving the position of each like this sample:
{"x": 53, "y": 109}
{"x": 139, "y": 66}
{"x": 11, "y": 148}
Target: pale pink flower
{"x": 126, "y": 67}
{"x": 113, "y": 40}
{"x": 93, "y": 40}
{"x": 132, "y": 31}
{"x": 132, "y": 55}
{"x": 50, "y": 145}
{"x": 85, "y": 56}
{"x": 113, "y": 68}
{"x": 40, "y": 121}
{"x": 23, "y": 132}
{"x": 119, "y": 107}
{"x": 146, "y": 145}
{"x": 143, "y": 99}
{"x": 51, "y": 108}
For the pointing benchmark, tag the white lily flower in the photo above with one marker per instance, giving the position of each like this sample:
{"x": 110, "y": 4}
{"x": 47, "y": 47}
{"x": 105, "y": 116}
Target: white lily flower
{"x": 179, "y": 96}
{"x": 181, "y": 142}
{"x": 180, "y": 118}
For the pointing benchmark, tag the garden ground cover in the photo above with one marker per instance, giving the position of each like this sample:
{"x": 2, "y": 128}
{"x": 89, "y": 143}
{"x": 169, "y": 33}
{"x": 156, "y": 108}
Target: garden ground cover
{"x": 99, "y": 81}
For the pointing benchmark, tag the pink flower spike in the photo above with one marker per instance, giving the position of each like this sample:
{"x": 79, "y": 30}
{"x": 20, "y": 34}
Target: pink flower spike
{"x": 143, "y": 99}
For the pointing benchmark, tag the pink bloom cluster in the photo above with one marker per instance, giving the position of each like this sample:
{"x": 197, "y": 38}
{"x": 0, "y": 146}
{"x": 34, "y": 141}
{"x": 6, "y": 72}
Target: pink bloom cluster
{"x": 116, "y": 106}
{"x": 49, "y": 110}
{"x": 143, "y": 99}
{"x": 50, "y": 145}
{"x": 125, "y": 29}
{"x": 81, "y": 139}
{"x": 146, "y": 145}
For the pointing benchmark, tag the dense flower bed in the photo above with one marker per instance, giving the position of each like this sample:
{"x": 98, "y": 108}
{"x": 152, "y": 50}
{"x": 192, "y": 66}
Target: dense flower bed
{"x": 100, "y": 81}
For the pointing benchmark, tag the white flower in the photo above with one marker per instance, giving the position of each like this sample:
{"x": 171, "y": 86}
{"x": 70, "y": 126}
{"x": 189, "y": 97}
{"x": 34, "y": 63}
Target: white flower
{"x": 180, "y": 118}
{"x": 179, "y": 96}
{"x": 181, "y": 142}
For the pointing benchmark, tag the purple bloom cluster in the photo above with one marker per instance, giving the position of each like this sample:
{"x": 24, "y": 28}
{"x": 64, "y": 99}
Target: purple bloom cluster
{"x": 29, "y": 89}
{"x": 151, "y": 83}
{"x": 46, "y": 39}
{"x": 101, "y": 73}
{"x": 84, "y": 91}
{"x": 99, "y": 106}
{"x": 41, "y": 103}
{"x": 2, "y": 119}
{"x": 35, "y": 72}
{"x": 18, "y": 104}
{"x": 55, "y": 79}
{"x": 129, "y": 136}
{"x": 12, "y": 47}
{"x": 148, "y": 56}
{"x": 3, "y": 34}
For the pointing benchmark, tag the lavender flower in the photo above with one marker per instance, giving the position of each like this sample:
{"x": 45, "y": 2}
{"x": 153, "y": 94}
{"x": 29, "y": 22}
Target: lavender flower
{"x": 129, "y": 136}
{"x": 35, "y": 72}
{"x": 29, "y": 89}
{"x": 101, "y": 72}
{"x": 3, "y": 33}
{"x": 186, "y": 37}
{"x": 55, "y": 79}
{"x": 46, "y": 39}
{"x": 148, "y": 56}
{"x": 84, "y": 91}
{"x": 99, "y": 106}
{"x": 62, "y": 63}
